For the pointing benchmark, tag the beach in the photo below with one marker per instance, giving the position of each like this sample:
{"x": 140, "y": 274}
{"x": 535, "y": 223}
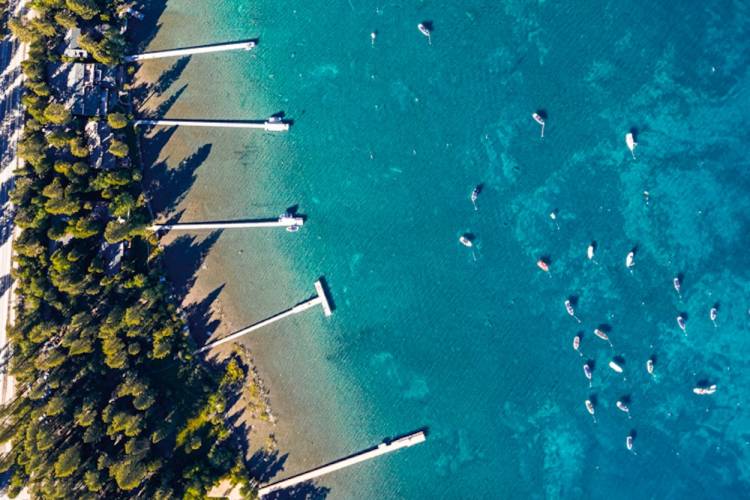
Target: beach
{"x": 387, "y": 143}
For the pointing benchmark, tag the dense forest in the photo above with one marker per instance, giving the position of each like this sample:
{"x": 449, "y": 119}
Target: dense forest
{"x": 109, "y": 401}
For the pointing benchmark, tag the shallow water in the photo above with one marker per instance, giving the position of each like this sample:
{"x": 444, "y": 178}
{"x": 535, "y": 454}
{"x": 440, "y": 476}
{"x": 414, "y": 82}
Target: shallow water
{"x": 387, "y": 143}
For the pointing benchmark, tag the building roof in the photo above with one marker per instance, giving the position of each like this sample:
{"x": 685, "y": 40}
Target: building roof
{"x": 89, "y": 85}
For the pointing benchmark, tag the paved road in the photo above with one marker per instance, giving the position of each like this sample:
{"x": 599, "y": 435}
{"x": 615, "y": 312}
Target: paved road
{"x": 11, "y": 122}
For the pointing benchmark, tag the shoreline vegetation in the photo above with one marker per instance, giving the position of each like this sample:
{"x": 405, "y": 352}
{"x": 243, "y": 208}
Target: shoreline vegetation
{"x": 110, "y": 401}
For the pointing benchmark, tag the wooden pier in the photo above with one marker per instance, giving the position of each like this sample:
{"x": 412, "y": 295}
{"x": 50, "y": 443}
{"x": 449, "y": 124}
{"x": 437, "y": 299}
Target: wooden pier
{"x": 320, "y": 298}
{"x": 383, "y": 448}
{"x": 283, "y": 221}
{"x": 271, "y": 125}
{"x": 188, "y": 51}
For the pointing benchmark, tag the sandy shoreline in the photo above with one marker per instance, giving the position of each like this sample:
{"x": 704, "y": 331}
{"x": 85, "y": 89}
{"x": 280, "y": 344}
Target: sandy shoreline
{"x": 212, "y": 265}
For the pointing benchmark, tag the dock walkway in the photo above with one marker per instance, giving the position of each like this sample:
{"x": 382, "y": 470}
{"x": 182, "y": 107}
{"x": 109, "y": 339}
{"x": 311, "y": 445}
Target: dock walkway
{"x": 383, "y": 448}
{"x": 287, "y": 222}
{"x": 320, "y": 298}
{"x": 188, "y": 51}
{"x": 271, "y": 125}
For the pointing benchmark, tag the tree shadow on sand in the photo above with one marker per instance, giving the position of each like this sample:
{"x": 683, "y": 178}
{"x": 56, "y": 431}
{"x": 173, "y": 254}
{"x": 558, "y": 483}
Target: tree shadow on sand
{"x": 167, "y": 187}
{"x": 145, "y": 91}
{"x": 183, "y": 258}
{"x": 200, "y": 316}
{"x": 264, "y": 466}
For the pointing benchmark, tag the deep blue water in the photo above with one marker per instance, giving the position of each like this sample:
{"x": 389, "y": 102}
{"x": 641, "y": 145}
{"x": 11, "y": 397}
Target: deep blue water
{"x": 387, "y": 144}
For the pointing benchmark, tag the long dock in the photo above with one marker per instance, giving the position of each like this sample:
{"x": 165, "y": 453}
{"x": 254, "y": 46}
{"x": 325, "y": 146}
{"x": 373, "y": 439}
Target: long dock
{"x": 272, "y": 125}
{"x": 188, "y": 51}
{"x": 287, "y": 222}
{"x": 320, "y": 298}
{"x": 383, "y": 448}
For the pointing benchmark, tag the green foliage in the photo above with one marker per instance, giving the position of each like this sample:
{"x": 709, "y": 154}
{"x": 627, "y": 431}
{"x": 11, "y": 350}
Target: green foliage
{"x": 110, "y": 401}
{"x": 119, "y": 148}
{"x": 67, "y": 462}
{"x": 85, "y": 9}
{"x": 117, "y": 120}
{"x": 57, "y": 113}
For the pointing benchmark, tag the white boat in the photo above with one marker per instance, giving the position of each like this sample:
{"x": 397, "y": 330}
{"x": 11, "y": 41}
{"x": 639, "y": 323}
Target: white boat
{"x": 703, "y": 391}
{"x": 677, "y": 284}
{"x": 293, "y": 228}
{"x": 590, "y": 406}
{"x": 600, "y": 334}
{"x": 538, "y": 118}
{"x": 577, "y": 343}
{"x": 629, "y": 442}
{"x": 630, "y": 260}
{"x": 713, "y": 314}
{"x": 615, "y": 367}
{"x": 373, "y": 36}
{"x": 571, "y": 311}
{"x": 630, "y": 142}
{"x": 650, "y": 366}
{"x": 681, "y": 322}
{"x": 425, "y": 30}
{"x": 622, "y": 407}
{"x": 591, "y": 250}
{"x": 587, "y": 371}
{"x": 466, "y": 241}
{"x": 474, "y": 196}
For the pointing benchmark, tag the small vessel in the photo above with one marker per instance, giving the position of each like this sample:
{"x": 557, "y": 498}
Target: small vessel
{"x": 571, "y": 311}
{"x": 704, "y": 391}
{"x": 553, "y": 216}
{"x": 681, "y": 322}
{"x": 474, "y": 196}
{"x": 425, "y": 30}
{"x": 465, "y": 240}
{"x": 630, "y": 142}
{"x": 650, "y": 366}
{"x": 587, "y": 371}
{"x": 293, "y": 228}
{"x": 623, "y": 407}
{"x": 677, "y": 284}
{"x": 590, "y": 408}
{"x": 577, "y": 343}
{"x": 538, "y": 118}
{"x": 615, "y": 367}
{"x": 591, "y": 250}
{"x": 373, "y": 36}
{"x": 600, "y": 334}
{"x": 713, "y": 314}
{"x": 630, "y": 260}
{"x": 629, "y": 442}
{"x": 543, "y": 265}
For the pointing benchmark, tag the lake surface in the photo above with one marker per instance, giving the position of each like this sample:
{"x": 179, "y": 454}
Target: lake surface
{"x": 388, "y": 142}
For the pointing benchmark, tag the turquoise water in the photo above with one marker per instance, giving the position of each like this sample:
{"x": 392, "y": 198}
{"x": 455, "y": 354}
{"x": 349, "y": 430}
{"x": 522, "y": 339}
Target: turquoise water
{"x": 387, "y": 144}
